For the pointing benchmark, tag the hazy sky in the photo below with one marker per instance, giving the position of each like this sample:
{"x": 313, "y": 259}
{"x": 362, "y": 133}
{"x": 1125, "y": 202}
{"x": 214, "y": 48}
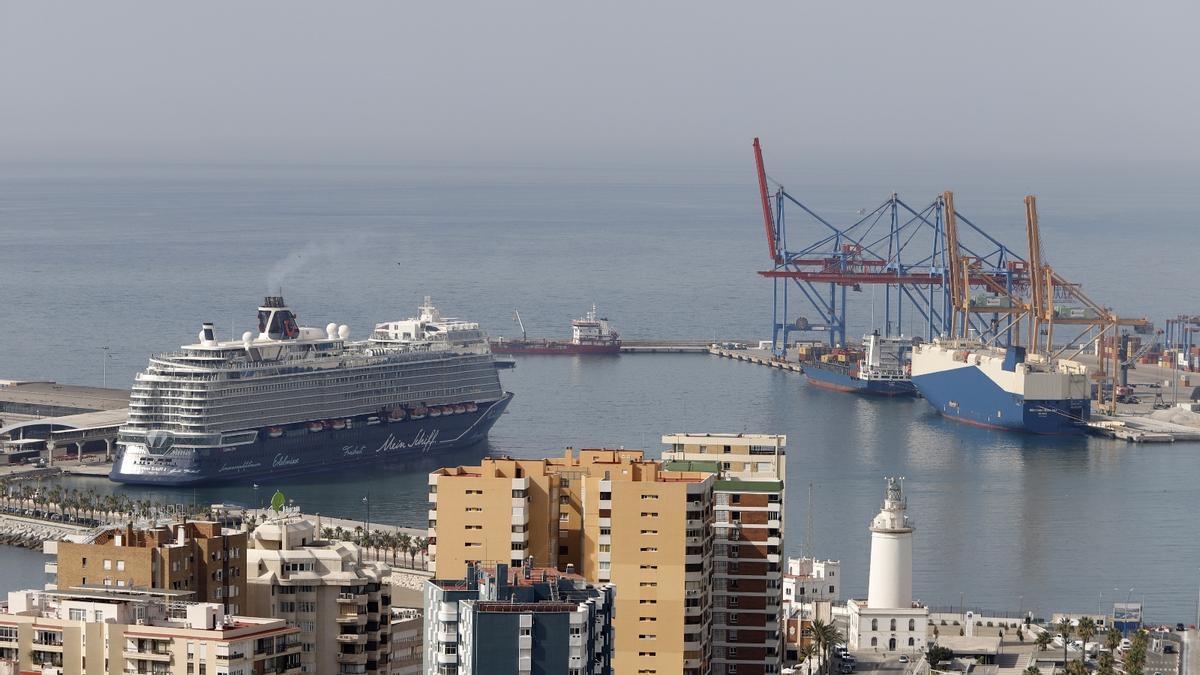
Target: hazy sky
{"x": 386, "y": 80}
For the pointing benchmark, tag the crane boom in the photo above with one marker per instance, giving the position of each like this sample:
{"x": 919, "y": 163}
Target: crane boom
{"x": 764, "y": 193}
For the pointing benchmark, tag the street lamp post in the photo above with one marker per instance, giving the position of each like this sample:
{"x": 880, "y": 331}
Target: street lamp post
{"x": 105, "y": 356}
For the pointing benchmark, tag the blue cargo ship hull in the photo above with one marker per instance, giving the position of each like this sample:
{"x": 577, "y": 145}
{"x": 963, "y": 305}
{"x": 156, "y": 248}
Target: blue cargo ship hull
{"x": 968, "y": 395}
{"x": 837, "y": 379}
{"x": 301, "y": 452}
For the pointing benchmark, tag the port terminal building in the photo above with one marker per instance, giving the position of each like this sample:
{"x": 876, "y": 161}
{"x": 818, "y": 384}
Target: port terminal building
{"x": 45, "y": 419}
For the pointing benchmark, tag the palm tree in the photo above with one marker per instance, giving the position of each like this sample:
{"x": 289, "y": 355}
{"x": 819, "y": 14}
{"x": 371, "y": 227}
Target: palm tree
{"x": 1087, "y": 631}
{"x": 1076, "y": 668}
{"x": 825, "y": 636}
{"x": 1042, "y": 641}
{"x": 423, "y": 547}
{"x": 1113, "y": 640}
{"x": 404, "y": 541}
{"x": 807, "y": 655}
{"x": 1064, "y": 629}
{"x": 1032, "y": 670}
{"x": 327, "y": 533}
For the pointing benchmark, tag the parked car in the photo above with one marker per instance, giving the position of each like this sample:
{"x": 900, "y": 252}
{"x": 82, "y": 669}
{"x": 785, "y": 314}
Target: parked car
{"x": 904, "y": 658}
{"x": 1180, "y": 627}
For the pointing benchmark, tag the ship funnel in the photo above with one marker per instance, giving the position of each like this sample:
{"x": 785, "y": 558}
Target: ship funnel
{"x": 208, "y": 333}
{"x": 276, "y": 321}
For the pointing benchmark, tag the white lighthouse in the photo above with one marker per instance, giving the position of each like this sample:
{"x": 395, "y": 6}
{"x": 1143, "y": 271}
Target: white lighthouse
{"x": 888, "y": 620}
{"x": 891, "y": 551}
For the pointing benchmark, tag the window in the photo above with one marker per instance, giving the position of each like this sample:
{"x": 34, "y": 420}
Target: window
{"x": 77, "y": 614}
{"x": 831, "y": 590}
{"x": 647, "y": 636}
{"x": 893, "y": 625}
{"x": 910, "y": 642}
{"x": 649, "y": 549}
{"x": 874, "y": 626}
{"x": 650, "y": 532}
{"x": 874, "y": 640}
{"x": 108, "y": 564}
{"x": 912, "y": 625}
{"x": 649, "y": 514}
{"x": 564, "y": 499}
{"x": 564, "y": 515}
{"x": 120, "y": 565}
{"x": 564, "y": 482}
{"x": 526, "y": 631}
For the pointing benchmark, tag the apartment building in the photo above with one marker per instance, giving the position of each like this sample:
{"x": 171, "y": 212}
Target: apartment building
{"x": 808, "y": 579}
{"x": 197, "y": 556}
{"x": 527, "y": 620}
{"x": 747, "y": 574}
{"x": 340, "y": 603}
{"x": 408, "y": 625}
{"x": 613, "y": 516}
{"x": 120, "y": 631}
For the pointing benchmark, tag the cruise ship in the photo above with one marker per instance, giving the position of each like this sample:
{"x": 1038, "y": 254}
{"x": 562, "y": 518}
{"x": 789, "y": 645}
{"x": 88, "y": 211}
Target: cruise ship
{"x": 1002, "y": 388}
{"x": 291, "y": 399}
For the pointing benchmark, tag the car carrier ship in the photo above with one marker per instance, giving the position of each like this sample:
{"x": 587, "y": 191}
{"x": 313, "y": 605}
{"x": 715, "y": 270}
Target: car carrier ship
{"x": 1002, "y": 388}
{"x": 290, "y": 399}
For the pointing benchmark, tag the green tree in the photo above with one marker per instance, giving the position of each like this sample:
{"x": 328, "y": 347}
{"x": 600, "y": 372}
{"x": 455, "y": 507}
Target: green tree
{"x": 1086, "y": 631}
{"x": 1112, "y": 640}
{"x": 807, "y": 655}
{"x": 404, "y": 541}
{"x": 1032, "y": 670}
{"x": 1042, "y": 641}
{"x": 826, "y": 636}
{"x": 1064, "y": 629}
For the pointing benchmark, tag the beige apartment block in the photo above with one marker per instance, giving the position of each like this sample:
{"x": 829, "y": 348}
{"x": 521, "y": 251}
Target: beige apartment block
{"x": 340, "y": 603}
{"x": 747, "y": 577}
{"x": 610, "y": 515}
{"x": 116, "y": 632}
{"x": 196, "y": 556}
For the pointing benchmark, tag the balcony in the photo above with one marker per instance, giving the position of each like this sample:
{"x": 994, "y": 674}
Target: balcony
{"x": 147, "y": 656}
{"x": 351, "y": 638}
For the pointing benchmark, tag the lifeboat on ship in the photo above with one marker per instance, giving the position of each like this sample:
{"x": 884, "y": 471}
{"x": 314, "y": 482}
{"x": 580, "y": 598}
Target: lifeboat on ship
{"x": 315, "y": 427}
{"x": 471, "y": 407}
{"x": 419, "y": 413}
{"x": 274, "y": 432}
{"x": 435, "y": 412}
{"x": 460, "y": 409}
{"x": 396, "y": 414}
{"x": 338, "y": 425}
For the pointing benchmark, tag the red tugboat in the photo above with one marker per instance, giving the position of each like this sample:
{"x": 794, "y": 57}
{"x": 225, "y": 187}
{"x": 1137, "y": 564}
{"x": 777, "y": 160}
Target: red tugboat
{"x": 589, "y": 335}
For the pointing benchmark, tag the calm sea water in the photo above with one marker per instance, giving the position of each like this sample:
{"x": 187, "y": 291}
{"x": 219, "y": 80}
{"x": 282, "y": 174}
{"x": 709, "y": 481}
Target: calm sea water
{"x": 135, "y": 258}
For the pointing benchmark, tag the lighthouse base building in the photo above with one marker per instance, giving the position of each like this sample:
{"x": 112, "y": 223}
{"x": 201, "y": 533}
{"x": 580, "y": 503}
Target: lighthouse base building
{"x": 888, "y": 620}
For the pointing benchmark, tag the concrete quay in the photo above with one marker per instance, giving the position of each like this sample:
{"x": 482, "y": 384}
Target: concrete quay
{"x": 762, "y": 357}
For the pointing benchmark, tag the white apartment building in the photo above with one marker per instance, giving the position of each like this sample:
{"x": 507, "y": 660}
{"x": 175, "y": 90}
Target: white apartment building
{"x": 340, "y": 603}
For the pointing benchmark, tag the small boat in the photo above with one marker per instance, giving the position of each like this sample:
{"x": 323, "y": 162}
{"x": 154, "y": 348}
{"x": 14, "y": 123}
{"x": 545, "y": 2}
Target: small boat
{"x": 460, "y": 409}
{"x": 419, "y": 413}
{"x": 274, "y": 432}
{"x": 315, "y": 427}
{"x": 471, "y": 407}
{"x": 435, "y": 412}
{"x": 338, "y": 425}
{"x": 396, "y": 414}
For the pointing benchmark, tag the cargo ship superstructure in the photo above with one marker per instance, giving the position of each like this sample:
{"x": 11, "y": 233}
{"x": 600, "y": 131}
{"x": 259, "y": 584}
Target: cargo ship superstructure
{"x": 590, "y": 334}
{"x": 880, "y": 368}
{"x": 1002, "y": 388}
{"x": 289, "y": 399}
